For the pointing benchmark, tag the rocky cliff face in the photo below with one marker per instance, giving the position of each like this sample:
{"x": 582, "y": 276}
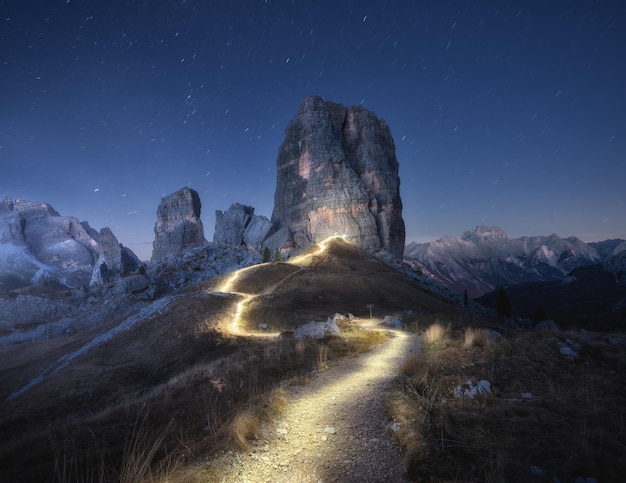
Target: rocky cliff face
{"x": 115, "y": 259}
{"x": 38, "y": 245}
{"x": 178, "y": 226}
{"x": 337, "y": 173}
{"x": 240, "y": 226}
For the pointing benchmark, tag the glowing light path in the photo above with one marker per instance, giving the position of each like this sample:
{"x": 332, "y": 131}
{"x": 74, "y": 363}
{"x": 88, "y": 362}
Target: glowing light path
{"x": 349, "y": 398}
{"x": 233, "y": 326}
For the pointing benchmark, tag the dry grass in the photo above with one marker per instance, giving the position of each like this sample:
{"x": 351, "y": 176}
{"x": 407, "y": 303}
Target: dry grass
{"x": 142, "y": 461}
{"x": 475, "y": 338}
{"x": 322, "y": 356}
{"x": 240, "y": 429}
{"x": 209, "y": 406}
{"x": 571, "y": 427}
{"x": 176, "y": 365}
{"x": 435, "y": 335}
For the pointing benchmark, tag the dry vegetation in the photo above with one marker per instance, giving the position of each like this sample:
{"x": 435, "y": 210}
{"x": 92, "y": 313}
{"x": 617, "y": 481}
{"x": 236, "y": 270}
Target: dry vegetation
{"x": 152, "y": 434}
{"x": 547, "y": 416}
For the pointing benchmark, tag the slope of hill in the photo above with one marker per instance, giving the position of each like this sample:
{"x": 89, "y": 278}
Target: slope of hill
{"x": 86, "y": 384}
{"x": 589, "y": 297}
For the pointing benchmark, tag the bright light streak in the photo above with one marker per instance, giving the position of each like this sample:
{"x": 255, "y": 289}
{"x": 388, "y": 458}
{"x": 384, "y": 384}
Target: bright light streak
{"x": 234, "y": 324}
{"x": 321, "y": 248}
{"x": 228, "y": 286}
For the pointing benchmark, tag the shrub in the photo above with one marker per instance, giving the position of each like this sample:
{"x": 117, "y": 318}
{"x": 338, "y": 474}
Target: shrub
{"x": 435, "y": 335}
{"x": 475, "y": 338}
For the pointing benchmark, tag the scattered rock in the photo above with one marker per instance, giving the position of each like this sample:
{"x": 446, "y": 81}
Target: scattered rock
{"x": 546, "y": 325}
{"x": 569, "y": 352}
{"x": 569, "y": 348}
{"x": 470, "y": 389}
{"x": 330, "y": 430}
{"x": 316, "y": 330}
{"x": 390, "y": 321}
{"x": 535, "y": 470}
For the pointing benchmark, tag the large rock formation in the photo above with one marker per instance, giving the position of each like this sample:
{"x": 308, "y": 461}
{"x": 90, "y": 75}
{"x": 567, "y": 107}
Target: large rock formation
{"x": 38, "y": 245}
{"x": 178, "y": 226}
{"x": 337, "y": 173}
{"x": 240, "y": 226}
{"x": 115, "y": 259}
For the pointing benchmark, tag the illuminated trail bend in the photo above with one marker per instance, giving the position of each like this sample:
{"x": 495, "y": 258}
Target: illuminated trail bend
{"x": 233, "y": 327}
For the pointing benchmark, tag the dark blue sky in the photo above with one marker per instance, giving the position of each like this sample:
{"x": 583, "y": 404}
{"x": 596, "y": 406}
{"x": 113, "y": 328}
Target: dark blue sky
{"x": 507, "y": 113}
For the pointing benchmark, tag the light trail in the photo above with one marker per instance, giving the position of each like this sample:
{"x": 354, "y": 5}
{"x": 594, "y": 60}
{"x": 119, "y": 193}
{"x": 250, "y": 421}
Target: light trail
{"x": 228, "y": 287}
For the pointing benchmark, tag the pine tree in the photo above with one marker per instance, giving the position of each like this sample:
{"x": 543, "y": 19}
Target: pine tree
{"x": 277, "y": 256}
{"x": 267, "y": 254}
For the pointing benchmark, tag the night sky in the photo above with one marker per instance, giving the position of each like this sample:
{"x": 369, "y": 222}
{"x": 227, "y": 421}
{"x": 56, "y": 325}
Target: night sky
{"x": 503, "y": 113}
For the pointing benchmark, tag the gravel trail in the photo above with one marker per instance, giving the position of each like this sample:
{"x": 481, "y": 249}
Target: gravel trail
{"x": 333, "y": 430}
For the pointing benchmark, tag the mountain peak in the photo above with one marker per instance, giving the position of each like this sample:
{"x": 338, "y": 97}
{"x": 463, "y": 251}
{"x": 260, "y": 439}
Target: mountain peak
{"x": 337, "y": 172}
{"x": 484, "y": 233}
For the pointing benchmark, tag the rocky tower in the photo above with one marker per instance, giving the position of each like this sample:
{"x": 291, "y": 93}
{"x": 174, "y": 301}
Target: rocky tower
{"x": 337, "y": 173}
{"x": 178, "y": 224}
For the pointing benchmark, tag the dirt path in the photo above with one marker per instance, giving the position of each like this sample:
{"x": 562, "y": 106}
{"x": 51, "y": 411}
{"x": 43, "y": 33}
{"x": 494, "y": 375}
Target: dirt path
{"x": 333, "y": 430}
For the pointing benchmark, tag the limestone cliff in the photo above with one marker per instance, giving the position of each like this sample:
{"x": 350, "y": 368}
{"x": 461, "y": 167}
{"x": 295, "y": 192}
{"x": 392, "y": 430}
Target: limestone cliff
{"x": 337, "y": 173}
{"x": 178, "y": 225}
{"x": 240, "y": 226}
{"x": 38, "y": 245}
{"x": 115, "y": 259}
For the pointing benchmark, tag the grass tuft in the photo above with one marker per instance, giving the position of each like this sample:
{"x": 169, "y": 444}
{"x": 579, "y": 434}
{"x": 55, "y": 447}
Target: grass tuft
{"x": 475, "y": 338}
{"x": 243, "y": 427}
{"x": 436, "y": 335}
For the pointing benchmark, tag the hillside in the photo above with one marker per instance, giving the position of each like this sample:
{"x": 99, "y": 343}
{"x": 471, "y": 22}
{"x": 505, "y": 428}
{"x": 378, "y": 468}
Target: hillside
{"x": 197, "y": 386}
{"x": 82, "y": 388}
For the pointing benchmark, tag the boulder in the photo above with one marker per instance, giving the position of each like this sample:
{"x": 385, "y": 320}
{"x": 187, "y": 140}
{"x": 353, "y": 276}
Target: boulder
{"x": 316, "y": 330}
{"x": 390, "y": 321}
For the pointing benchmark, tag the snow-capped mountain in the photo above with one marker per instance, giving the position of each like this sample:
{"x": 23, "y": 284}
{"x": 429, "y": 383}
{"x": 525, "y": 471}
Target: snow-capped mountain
{"x": 485, "y": 258}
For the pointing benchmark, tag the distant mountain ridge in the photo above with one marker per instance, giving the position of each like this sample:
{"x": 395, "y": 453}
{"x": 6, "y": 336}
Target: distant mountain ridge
{"x": 485, "y": 258}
